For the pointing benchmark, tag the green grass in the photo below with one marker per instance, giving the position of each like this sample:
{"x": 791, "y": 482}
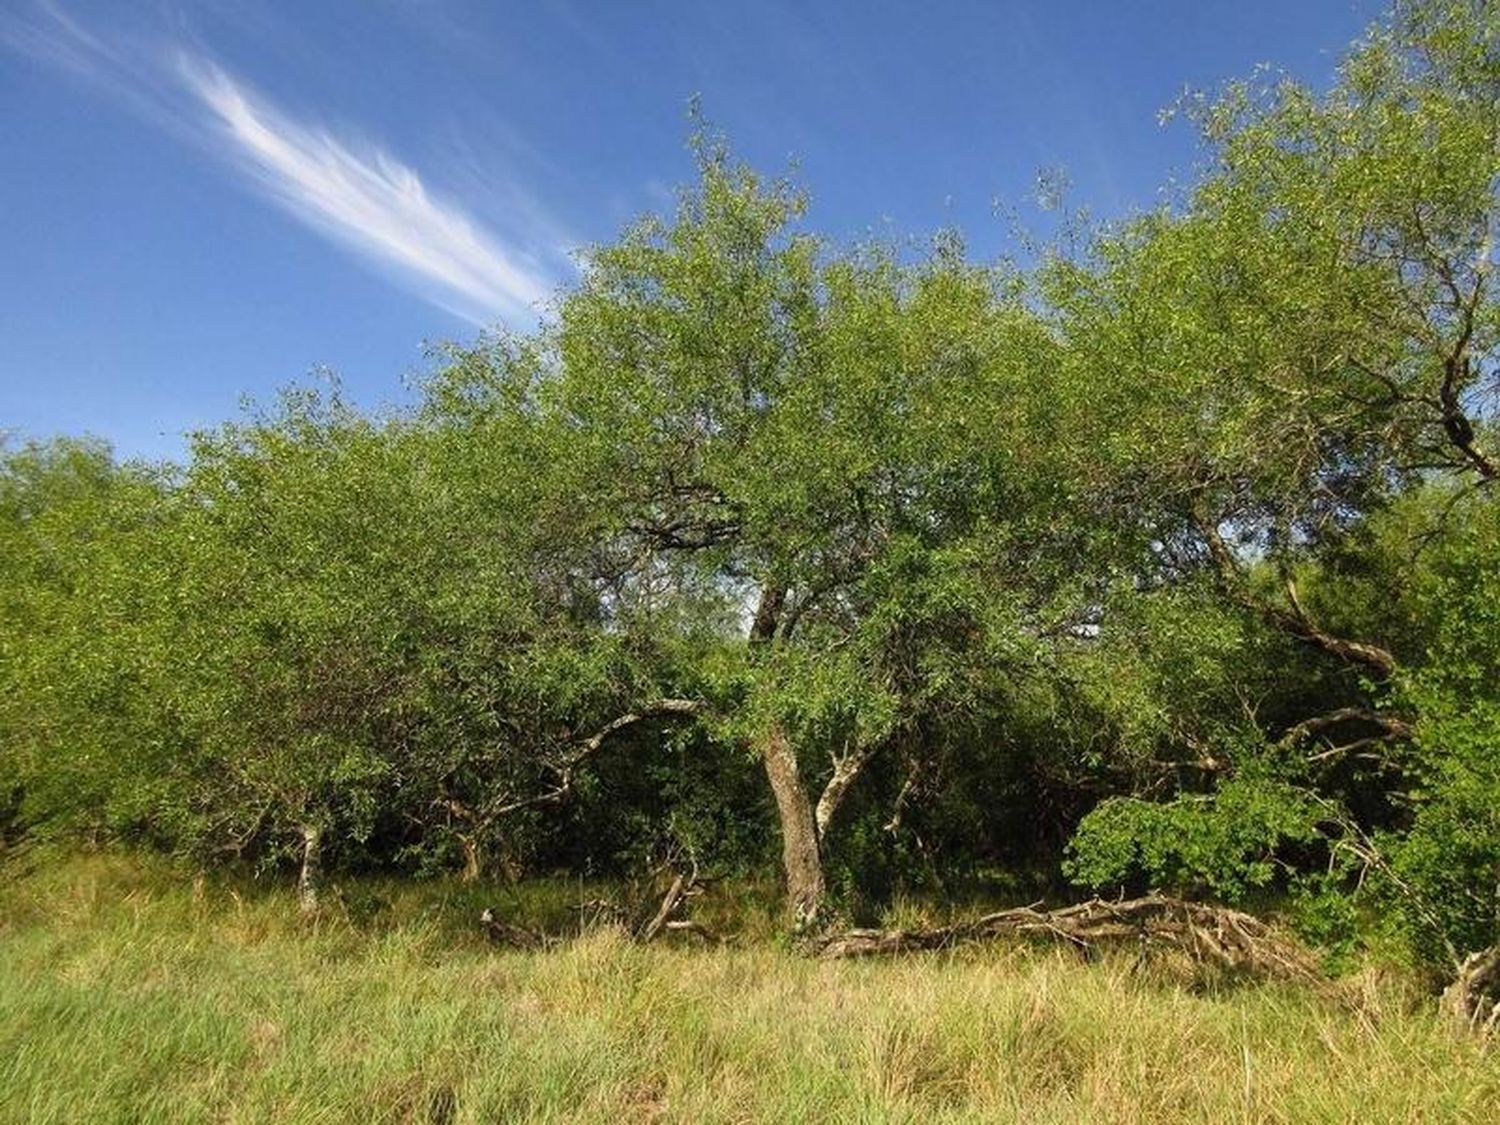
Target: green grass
{"x": 130, "y": 992}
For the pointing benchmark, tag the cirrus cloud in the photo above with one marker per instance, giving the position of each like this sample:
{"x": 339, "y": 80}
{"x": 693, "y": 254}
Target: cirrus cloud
{"x": 367, "y": 200}
{"x": 350, "y": 190}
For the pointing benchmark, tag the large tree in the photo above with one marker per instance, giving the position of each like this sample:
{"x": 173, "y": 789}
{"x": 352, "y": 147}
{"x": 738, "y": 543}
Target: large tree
{"x": 840, "y": 458}
{"x": 1299, "y": 360}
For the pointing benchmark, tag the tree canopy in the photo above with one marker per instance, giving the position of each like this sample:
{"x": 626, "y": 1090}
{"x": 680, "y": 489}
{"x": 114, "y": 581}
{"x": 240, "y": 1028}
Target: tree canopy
{"x": 1167, "y": 560}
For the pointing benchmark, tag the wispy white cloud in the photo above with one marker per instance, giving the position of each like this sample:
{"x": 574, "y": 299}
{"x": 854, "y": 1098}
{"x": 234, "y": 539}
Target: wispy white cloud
{"x": 120, "y": 64}
{"x": 352, "y": 191}
{"x": 52, "y": 36}
{"x": 367, "y": 200}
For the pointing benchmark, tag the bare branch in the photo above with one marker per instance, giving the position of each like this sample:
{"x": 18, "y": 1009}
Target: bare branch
{"x": 1391, "y": 726}
{"x": 1214, "y": 935}
{"x": 845, "y": 771}
{"x": 587, "y": 747}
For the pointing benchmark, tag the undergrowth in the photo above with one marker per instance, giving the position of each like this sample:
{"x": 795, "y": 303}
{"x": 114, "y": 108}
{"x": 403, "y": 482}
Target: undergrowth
{"x": 132, "y": 991}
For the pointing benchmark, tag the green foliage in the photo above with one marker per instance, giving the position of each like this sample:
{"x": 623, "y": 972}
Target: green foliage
{"x": 1297, "y": 357}
{"x": 76, "y": 685}
{"x": 1186, "y": 543}
{"x": 1446, "y": 853}
{"x": 1225, "y": 845}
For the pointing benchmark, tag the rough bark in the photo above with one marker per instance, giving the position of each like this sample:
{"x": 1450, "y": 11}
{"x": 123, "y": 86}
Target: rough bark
{"x": 801, "y": 856}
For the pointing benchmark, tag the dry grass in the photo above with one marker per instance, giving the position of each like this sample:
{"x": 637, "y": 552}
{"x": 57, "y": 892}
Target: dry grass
{"x": 127, "y": 993}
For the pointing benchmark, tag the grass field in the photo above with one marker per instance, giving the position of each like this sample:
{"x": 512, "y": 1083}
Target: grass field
{"x": 130, "y": 992}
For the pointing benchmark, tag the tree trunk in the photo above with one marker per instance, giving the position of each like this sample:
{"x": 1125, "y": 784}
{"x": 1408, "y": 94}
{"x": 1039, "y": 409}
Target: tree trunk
{"x": 308, "y": 878}
{"x": 800, "y": 856}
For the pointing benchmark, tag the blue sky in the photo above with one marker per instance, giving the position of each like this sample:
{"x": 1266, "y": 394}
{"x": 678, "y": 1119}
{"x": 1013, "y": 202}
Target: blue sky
{"x": 202, "y": 201}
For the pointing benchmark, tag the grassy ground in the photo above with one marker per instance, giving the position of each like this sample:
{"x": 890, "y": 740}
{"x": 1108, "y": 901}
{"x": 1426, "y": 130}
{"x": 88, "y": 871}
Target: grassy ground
{"x": 131, "y": 993}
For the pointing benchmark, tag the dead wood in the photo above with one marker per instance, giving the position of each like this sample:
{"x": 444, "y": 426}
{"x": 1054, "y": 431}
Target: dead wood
{"x": 671, "y": 915}
{"x": 1225, "y": 939}
{"x": 508, "y": 934}
{"x": 1473, "y": 999}
{"x": 669, "y": 903}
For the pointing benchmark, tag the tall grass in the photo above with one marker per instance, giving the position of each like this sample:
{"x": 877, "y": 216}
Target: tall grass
{"x": 132, "y": 993}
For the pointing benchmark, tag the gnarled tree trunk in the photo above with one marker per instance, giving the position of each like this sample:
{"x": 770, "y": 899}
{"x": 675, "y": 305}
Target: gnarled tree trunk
{"x": 801, "y": 858}
{"x": 800, "y": 854}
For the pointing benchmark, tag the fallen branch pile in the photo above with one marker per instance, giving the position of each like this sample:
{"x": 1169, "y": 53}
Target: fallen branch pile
{"x": 1213, "y": 935}
{"x": 671, "y": 915}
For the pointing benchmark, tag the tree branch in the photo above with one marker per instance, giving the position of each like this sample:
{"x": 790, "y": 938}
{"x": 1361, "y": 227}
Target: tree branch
{"x": 589, "y": 746}
{"x": 1456, "y": 423}
{"x": 1393, "y": 727}
{"x": 1295, "y": 621}
{"x": 845, "y": 771}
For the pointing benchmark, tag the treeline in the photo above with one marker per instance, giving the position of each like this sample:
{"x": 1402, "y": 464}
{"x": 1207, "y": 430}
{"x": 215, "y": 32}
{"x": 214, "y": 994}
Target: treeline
{"x": 1170, "y": 560}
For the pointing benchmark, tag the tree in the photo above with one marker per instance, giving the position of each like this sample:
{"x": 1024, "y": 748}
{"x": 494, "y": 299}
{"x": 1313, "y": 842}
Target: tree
{"x": 81, "y": 737}
{"x": 1302, "y": 354}
{"x": 377, "y": 650}
{"x": 835, "y": 460}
